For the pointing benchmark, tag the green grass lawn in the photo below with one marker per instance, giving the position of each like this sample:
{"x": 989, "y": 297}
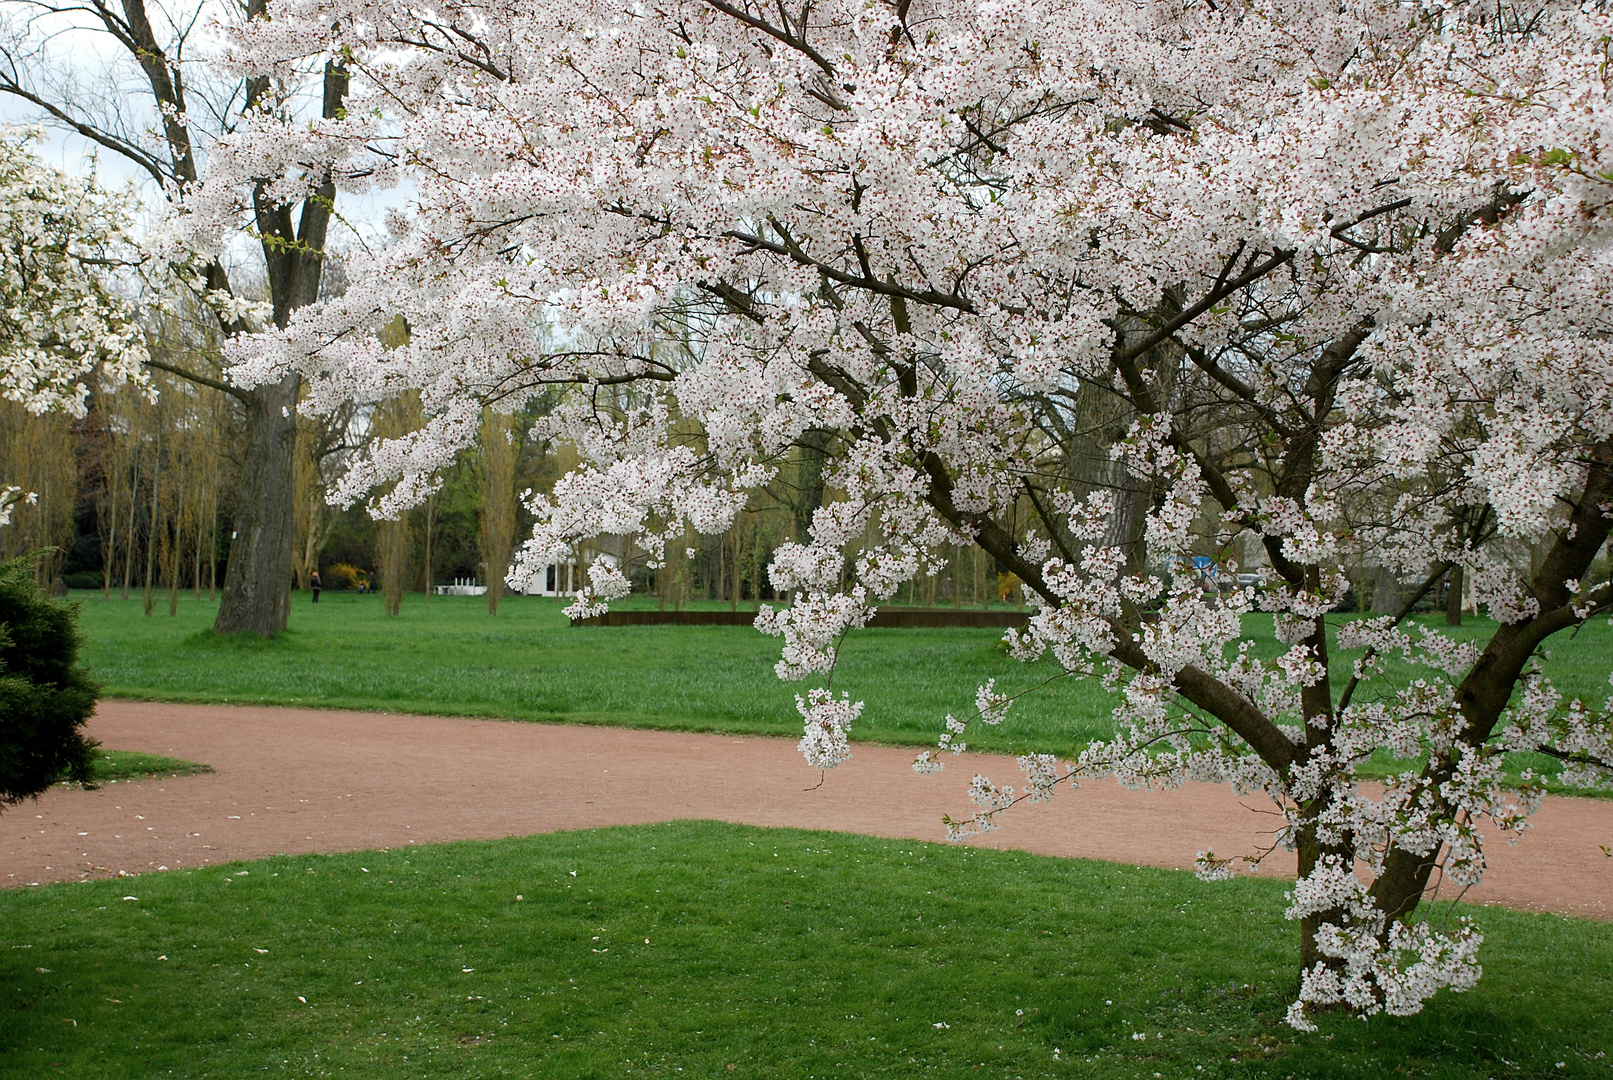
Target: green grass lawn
{"x": 446, "y": 656}
{"x": 114, "y": 766}
{"x": 704, "y": 950}
{"x": 127, "y": 766}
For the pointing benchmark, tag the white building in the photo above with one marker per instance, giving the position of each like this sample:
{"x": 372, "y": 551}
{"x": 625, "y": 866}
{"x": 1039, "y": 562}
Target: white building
{"x": 564, "y": 578}
{"x": 556, "y": 579}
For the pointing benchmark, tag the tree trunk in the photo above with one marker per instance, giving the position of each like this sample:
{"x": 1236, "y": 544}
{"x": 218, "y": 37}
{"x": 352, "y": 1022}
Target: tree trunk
{"x": 151, "y": 528}
{"x": 128, "y": 543}
{"x": 110, "y": 548}
{"x": 178, "y": 552}
{"x": 257, "y": 579}
{"x": 812, "y": 449}
{"x": 721, "y": 576}
{"x": 1453, "y": 598}
{"x": 431, "y": 520}
{"x": 498, "y": 520}
{"x": 212, "y": 552}
{"x": 1310, "y": 853}
{"x": 196, "y": 560}
{"x": 392, "y": 551}
{"x": 1386, "y": 593}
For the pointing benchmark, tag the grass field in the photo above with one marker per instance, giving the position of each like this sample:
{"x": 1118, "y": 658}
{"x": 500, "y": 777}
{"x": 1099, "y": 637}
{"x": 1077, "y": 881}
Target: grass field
{"x": 701, "y": 950}
{"x": 446, "y": 656}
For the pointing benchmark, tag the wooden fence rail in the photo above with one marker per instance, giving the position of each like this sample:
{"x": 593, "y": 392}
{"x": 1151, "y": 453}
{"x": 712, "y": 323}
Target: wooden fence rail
{"x": 884, "y": 618}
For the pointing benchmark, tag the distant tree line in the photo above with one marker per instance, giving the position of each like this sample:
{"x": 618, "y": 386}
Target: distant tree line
{"x": 138, "y": 500}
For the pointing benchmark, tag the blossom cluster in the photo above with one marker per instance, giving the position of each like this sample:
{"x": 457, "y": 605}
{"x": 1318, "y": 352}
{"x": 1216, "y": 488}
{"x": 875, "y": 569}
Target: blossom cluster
{"x": 62, "y": 320}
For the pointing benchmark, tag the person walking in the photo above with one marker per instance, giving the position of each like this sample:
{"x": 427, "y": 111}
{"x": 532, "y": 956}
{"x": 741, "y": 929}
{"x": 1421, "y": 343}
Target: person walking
{"x": 313, "y": 584}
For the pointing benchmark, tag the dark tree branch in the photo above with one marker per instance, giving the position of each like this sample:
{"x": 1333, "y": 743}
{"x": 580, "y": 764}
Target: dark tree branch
{"x": 795, "y": 38}
{"x": 198, "y": 378}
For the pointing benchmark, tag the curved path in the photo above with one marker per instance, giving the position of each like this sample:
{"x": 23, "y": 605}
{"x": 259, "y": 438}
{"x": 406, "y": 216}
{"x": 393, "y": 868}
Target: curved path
{"x": 299, "y": 781}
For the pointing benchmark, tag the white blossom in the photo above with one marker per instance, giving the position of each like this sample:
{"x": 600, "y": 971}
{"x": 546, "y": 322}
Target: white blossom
{"x": 62, "y": 320}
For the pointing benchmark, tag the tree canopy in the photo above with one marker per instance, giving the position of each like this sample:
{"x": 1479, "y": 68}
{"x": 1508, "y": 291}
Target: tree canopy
{"x": 1280, "y": 284}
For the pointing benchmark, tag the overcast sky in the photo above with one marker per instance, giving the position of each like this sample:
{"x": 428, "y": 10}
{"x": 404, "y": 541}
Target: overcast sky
{"x": 109, "y": 84}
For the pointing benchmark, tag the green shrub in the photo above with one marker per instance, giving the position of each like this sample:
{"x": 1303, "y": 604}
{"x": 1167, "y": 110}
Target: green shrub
{"x": 44, "y": 696}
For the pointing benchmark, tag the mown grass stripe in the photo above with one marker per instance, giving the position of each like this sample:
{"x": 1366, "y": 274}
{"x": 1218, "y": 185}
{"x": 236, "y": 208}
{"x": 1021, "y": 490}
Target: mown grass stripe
{"x": 781, "y": 953}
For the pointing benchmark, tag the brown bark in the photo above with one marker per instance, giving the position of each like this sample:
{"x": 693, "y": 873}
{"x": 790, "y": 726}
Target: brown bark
{"x": 1453, "y": 597}
{"x": 257, "y": 585}
{"x": 257, "y": 577}
{"x": 1484, "y": 693}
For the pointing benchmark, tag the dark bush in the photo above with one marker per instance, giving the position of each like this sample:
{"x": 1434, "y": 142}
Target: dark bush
{"x": 44, "y": 696}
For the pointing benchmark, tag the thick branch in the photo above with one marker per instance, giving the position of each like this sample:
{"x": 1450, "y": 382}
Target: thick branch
{"x": 198, "y": 378}
{"x": 170, "y": 103}
{"x": 795, "y": 254}
{"x": 111, "y": 142}
{"x": 1484, "y": 693}
{"x": 1197, "y": 686}
{"x": 1225, "y": 288}
{"x": 795, "y": 40}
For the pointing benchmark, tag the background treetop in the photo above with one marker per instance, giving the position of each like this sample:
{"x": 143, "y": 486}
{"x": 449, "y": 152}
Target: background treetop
{"x": 156, "y": 86}
{"x": 64, "y": 316}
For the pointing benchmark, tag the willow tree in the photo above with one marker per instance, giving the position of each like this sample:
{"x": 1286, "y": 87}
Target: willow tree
{"x": 498, "y": 452}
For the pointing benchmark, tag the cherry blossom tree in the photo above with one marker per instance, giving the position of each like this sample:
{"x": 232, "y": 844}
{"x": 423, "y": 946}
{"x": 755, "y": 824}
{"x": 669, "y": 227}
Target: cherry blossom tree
{"x": 1188, "y": 278}
{"x": 62, "y": 317}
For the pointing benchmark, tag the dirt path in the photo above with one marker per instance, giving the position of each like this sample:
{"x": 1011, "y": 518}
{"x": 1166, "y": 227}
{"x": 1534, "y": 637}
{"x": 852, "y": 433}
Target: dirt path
{"x": 298, "y": 781}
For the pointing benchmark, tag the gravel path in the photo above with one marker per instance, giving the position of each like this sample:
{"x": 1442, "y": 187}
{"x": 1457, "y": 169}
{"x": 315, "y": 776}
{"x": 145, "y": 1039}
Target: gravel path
{"x": 298, "y": 781}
